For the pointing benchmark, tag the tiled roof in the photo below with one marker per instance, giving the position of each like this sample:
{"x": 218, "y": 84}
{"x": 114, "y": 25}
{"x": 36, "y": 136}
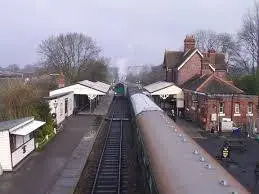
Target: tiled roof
{"x": 176, "y": 58}
{"x": 195, "y": 82}
{"x": 210, "y": 84}
{"x": 173, "y": 58}
{"x": 219, "y": 63}
{"x": 217, "y": 86}
{"x": 6, "y": 125}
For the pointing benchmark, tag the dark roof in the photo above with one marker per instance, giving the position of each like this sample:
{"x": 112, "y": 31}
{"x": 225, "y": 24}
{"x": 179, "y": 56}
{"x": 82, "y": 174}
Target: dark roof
{"x": 213, "y": 85}
{"x": 6, "y": 125}
{"x": 220, "y": 63}
{"x": 195, "y": 82}
{"x": 173, "y": 58}
{"x": 217, "y": 86}
{"x": 176, "y": 58}
{"x": 57, "y": 96}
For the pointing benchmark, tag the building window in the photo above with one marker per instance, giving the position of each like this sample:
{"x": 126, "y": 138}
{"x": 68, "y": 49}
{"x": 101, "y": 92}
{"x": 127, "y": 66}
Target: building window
{"x": 237, "y": 108}
{"x": 221, "y": 107}
{"x": 13, "y": 142}
{"x": 66, "y": 105}
{"x": 250, "y": 107}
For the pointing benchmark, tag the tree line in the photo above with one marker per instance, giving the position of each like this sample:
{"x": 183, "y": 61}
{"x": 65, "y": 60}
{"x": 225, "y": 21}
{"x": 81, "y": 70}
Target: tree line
{"x": 241, "y": 51}
{"x": 76, "y": 55}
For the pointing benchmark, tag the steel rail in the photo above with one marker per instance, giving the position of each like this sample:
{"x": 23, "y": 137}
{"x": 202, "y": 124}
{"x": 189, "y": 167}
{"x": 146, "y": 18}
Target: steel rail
{"x": 120, "y": 159}
{"x": 100, "y": 161}
{"x": 108, "y": 175}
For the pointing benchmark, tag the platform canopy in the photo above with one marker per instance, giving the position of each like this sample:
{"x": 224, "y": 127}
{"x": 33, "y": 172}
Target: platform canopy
{"x": 163, "y": 88}
{"x": 85, "y": 87}
{"x": 28, "y": 128}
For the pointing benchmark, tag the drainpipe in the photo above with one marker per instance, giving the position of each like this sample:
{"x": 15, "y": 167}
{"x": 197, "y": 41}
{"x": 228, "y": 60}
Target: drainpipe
{"x": 232, "y": 107}
{"x": 217, "y": 110}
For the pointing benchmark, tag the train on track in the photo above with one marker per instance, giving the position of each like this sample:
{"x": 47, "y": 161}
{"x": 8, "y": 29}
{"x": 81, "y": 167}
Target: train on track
{"x": 171, "y": 161}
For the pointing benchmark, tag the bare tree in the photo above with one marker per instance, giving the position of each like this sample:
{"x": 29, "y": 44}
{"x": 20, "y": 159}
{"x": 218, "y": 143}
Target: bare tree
{"x": 68, "y": 53}
{"x": 95, "y": 70}
{"x": 249, "y": 38}
{"x": 220, "y": 42}
{"x": 235, "y": 53}
{"x": 206, "y": 40}
{"x": 18, "y": 100}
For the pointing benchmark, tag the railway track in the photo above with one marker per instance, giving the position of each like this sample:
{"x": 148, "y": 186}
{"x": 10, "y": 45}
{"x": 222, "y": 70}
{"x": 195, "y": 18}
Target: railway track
{"x": 112, "y": 166}
{"x": 112, "y": 175}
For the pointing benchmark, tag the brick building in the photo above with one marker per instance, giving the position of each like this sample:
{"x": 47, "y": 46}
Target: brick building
{"x": 209, "y": 97}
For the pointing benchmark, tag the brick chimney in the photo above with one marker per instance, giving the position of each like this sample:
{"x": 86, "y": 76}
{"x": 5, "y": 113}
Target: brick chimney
{"x": 212, "y": 56}
{"x": 61, "y": 80}
{"x": 205, "y": 69}
{"x": 189, "y": 43}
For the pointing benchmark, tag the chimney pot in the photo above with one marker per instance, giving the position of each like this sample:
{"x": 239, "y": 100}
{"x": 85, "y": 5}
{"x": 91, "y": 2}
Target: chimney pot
{"x": 189, "y": 43}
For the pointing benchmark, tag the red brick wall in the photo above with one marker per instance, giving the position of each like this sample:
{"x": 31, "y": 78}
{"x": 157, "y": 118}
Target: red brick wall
{"x": 190, "y": 69}
{"x": 212, "y": 106}
{"x": 206, "y": 69}
{"x": 169, "y": 75}
{"x": 241, "y": 119}
{"x": 221, "y": 74}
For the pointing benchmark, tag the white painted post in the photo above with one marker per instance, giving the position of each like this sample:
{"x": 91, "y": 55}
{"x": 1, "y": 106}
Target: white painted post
{"x": 47, "y": 137}
{"x": 37, "y": 145}
{"x": 1, "y": 169}
{"x": 55, "y": 130}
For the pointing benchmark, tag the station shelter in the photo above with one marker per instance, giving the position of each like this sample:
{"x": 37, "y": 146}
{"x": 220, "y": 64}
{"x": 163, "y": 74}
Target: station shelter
{"x": 87, "y": 94}
{"x": 167, "y": 95}
{"x": 17, "y": 141}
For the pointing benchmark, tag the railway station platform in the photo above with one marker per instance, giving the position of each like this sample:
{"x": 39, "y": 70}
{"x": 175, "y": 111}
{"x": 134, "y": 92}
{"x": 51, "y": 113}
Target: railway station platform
{"x": 71, "y": 173}
{"x": 102, "y": 108}
{"x": 43, "y": 169}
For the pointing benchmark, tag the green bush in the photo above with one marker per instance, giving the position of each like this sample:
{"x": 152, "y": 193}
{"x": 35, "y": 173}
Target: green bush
{"x": 42, "y": 112}
{"x": 248, "y": 83}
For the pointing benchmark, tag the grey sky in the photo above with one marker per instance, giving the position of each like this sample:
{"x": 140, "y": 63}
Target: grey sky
{"x": 129, "y": 31}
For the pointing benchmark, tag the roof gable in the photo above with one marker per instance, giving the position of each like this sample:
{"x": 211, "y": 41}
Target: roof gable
{"x": 179, "y": 58}
{"x": 217, "y": 86}
{"x": 188, "y": 56}
{"x": 195, "y": 82}
{"x": 211, "y": 84}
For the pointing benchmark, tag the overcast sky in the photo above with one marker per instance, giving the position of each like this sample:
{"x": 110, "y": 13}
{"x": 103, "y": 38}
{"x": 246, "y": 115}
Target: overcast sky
{"x": 129, "y": 31}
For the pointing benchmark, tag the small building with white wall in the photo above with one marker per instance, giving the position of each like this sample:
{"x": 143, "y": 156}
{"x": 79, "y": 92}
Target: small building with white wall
{"x": 17, "y": 141}
{"x": 86, "y": 94}
{"x": 61, "y": 105}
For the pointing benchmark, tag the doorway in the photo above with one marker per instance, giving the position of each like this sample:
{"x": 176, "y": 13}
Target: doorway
{"x": 66, "y": 104}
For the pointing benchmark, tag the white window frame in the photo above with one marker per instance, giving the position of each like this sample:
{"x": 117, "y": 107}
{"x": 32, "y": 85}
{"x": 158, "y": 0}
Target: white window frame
{"x": 221, "y": 107}
{"x": 237, "y": 108}
{"x": 250, "y": 108}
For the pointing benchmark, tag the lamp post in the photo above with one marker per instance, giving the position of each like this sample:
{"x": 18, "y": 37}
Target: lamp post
{"x": 55, "y": 105}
